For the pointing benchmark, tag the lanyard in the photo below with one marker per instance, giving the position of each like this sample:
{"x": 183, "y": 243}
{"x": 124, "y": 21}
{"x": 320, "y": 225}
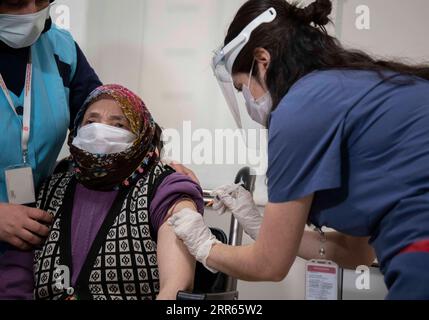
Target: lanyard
{"x": 27, "y": 107}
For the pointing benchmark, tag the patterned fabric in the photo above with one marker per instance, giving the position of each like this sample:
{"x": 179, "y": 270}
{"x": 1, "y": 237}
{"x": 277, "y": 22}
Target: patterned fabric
{"x": 111, "y": 171}
{"x": 121, "y": 264}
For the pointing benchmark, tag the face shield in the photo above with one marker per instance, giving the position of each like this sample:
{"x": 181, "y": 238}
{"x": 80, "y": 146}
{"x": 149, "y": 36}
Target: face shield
{"x": 223, "y": 62}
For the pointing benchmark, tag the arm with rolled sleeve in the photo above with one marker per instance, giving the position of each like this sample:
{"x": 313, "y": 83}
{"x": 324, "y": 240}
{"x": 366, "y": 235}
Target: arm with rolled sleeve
{"x": 176, "y": 265}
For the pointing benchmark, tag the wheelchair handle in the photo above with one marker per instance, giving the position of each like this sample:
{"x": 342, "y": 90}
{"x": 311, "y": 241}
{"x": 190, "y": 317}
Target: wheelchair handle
{"x": 246, "y": 177}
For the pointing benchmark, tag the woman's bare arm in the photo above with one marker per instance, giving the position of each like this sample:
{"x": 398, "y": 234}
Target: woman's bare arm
{"x": 176, "y": 265}
{"x": 348, "y": 252}
{"x": 275, "y": 249}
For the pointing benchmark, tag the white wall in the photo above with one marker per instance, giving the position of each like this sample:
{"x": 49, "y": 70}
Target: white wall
{"x": 398, "y": 28}
{"x": 162, "y": 50}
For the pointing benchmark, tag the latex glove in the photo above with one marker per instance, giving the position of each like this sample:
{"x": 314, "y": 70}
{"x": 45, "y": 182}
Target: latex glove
{"x": 240, "y": 202}
{"x": 190, "y": 227}
{"x": 218, "y": 204}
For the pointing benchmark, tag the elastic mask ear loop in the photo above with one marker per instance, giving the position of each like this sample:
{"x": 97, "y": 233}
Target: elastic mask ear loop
{"x": 251, "y": 73}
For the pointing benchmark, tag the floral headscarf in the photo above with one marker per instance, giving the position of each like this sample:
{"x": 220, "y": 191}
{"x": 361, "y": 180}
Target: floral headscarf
{"x": 113, "y": 171}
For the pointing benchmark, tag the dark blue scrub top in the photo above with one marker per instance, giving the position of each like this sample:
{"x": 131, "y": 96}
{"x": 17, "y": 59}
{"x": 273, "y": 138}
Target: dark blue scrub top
{"x": 361, "y": 145}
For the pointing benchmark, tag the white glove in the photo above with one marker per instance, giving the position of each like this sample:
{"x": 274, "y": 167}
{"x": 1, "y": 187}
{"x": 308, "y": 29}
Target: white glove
{"x": 190, "y": 227}
{"x": 240, "y": 202}
{"x": 218, "y": 205}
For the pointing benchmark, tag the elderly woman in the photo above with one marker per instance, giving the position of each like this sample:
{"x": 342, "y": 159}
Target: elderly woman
{"x": 108, "y": 233}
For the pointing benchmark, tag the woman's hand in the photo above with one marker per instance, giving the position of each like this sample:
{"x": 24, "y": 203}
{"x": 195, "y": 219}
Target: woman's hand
{"x": 23, "y": 227}
{"x": 268, "y": 259}
{"x": 240, "y": 202}
{"x": 183, "y": 170}
{"x": 190, "y": 227}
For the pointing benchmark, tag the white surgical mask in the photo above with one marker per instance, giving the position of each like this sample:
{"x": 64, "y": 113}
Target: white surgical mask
{"x": 20, "y": 31}
{"x": 98, "y": 138}
{"x": 258, "y": 109}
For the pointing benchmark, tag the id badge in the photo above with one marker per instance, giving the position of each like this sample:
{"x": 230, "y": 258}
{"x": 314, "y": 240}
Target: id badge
{"x": 20, "y": 185}
{"x": 321, "y": 280}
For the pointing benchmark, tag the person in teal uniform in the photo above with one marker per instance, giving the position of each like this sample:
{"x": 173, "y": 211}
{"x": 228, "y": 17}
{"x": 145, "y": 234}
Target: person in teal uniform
{"x": 44, "y": 79}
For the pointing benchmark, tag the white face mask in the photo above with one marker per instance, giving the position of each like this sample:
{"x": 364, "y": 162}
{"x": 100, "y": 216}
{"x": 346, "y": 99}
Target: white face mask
{"x": 20, "y": 31}
{"x": 98, "y": 138}
{"x": 258, "y": 109}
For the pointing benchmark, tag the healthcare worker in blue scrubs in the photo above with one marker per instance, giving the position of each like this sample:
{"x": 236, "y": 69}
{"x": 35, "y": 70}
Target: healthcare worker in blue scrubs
{"x": 348, "y": 149}
{"x": 44, "y": 80}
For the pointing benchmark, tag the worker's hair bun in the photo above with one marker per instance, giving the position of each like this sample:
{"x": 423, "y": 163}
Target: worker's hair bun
{"x": 318, "y": 13}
